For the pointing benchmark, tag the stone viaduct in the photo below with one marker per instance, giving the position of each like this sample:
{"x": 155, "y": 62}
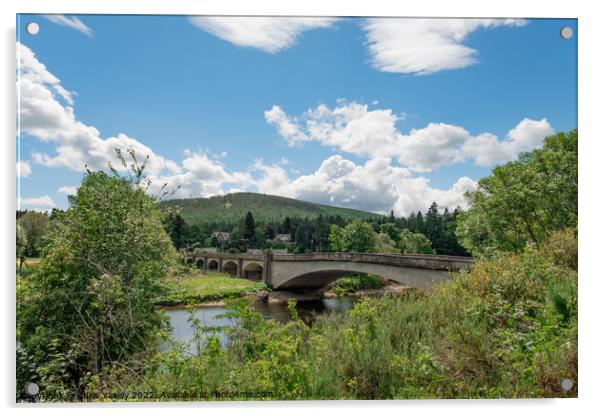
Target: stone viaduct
{"x": 316, "y": 270}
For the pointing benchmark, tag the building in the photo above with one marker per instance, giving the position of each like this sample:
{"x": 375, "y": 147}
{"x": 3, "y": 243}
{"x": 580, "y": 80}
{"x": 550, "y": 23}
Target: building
{"x": 220, "y": 236}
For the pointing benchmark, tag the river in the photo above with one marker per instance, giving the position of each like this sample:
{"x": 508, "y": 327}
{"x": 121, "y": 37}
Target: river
{"x": 212, "y": 317}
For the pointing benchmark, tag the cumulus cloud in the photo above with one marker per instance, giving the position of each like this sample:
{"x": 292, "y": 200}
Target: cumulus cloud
{"x": 44, "y": 116}
{"x": 71, "y": 22}
{"x": 40, "y": 203}
{"x": 356, "y": 129}
{"x": 375, "y": 186}
{"x": 425, "y": 46}
{"x": 68, "y": 190}
{"x": 269, "y": 34}
{"x": 46, "y": 113}
{"x": 23, "y": 169}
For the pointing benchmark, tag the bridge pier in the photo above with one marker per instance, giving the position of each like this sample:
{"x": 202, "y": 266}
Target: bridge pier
{"x": 267, "y": 268}
{"x": 239, "y": 268}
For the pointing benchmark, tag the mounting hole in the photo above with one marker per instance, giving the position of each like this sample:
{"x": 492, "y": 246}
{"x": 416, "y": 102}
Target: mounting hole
{"x": 566, "y": 32}
{"x": 566, "y": 384}
{"x": 32, "y": 28}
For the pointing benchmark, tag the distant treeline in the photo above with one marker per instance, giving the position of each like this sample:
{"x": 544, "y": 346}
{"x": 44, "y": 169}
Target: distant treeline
{"x": 310, "y": 234}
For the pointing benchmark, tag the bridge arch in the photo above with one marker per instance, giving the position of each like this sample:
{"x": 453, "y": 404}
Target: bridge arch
{"x": 231, "y": 268}
{"x": 190, "y": 261}
{"x": 213, "y": 265}
{"x": 200, "y": 264}
{"x": 253, "y": 271}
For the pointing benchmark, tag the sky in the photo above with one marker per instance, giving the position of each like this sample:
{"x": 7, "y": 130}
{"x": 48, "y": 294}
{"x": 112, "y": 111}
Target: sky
{"x": 377, "y": 114}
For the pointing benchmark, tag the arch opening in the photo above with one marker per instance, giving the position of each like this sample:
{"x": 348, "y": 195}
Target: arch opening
{"x": 189, "y": 260}
{"x": 253, "y": 271}
{"x": 200, "y": 263}
{"x": 213, "y": 265}
{"x": 323, "y": 278}
{"x": 231, "y": 268}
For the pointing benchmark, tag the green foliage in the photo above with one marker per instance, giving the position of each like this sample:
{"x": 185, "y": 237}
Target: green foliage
{"x": 358, "y": 236}
{"x": 361, "y": 281}
{"x": 89, "y": 304}
{"x": 384, "y": 244}
{"x": 34, "y": 226}
{"x": 392, "y": 230}
{"x": 505, "y": 329}
{"x": 229, "y": 209}
{"x": 414, "y": 243}
{"x": 523, "y": 201}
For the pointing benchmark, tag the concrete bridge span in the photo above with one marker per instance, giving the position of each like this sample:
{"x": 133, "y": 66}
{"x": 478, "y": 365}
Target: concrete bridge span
{"x": 316, "y": 270}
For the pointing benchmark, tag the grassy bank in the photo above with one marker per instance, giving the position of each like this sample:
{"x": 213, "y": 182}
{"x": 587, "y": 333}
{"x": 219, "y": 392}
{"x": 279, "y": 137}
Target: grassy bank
{"x": 506, "y": 329}
{"x": 193, "y": 287}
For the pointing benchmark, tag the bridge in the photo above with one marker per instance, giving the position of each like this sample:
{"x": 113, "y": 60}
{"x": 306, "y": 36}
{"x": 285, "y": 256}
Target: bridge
{"x": 316, "y": 270}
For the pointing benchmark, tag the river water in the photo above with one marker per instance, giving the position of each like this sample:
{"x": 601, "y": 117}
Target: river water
{"x": 212, "y": 317}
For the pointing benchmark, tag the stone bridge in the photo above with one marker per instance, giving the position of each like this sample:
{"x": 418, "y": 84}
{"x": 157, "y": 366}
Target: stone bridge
{"x": 316, "y": 270}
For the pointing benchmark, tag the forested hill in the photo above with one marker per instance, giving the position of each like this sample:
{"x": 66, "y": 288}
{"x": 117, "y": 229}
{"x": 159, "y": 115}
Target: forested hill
{"x": 230, "y": 208}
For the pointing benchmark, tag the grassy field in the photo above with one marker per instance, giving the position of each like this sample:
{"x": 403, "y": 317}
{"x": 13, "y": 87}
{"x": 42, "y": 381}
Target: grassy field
{"x": 196, "y": 288}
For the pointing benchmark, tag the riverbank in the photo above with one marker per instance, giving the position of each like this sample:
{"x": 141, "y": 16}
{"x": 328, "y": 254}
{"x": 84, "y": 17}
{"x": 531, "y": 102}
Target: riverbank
{"x": 195, "y": 288}
{"x": 212, "y": 289}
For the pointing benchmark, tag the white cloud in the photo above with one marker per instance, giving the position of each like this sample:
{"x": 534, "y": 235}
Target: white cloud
{"x": 425, "y": 46}
{"x": 269, "y": 34}
{"x": 38, "y": 203}
{"x": 70, "y": 21}
{"x": 23, "y": 169}
{"x": 355, "y": 129}
{"x": 77, "y": 145}
{"x": 376, "y": 186}
{"x": 68, "y": 190}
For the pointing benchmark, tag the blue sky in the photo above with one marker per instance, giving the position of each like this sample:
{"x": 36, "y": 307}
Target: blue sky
{"x": 375, "y": 114}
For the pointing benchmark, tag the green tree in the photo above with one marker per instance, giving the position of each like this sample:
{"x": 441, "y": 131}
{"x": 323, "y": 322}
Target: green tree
{"x": 248, "y": 232}
{"x": 523, "y": 201}
{"x": 414, "y": 243}
{"x": 358, "y": 236}
{"x": 21, "y": 245}
{"x": 176, "y": 227}
{"x": 90, "y": 303}
{"x": 392, "y": 231}
{"x": 385, "y": 244}
{"x": 35, "y": 227}
{"x": 336, "y": 239}
{"x": 303, "y": 237}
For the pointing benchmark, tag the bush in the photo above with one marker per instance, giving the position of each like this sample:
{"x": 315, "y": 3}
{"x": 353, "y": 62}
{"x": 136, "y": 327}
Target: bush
{"x": 89, "y": 303}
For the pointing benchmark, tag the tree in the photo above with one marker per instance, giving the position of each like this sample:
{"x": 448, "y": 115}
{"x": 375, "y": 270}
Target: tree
{"x": 176, "y": 227}
{"x": 35, "y": 226}
{"x": 433, "y": 228}
{"x": 336, "y": 239}
{"x": 248, "y": 232}
{"x": 385, "y": 244}
{"x": 358, "y": 236}
{"x": 90, "y": 303}
{"x": 321, "y": 234}
{"x": 303, "y": 237}
{"x": 523, "y": 201}
{"x": 414, "y": 243}
{"x": 21, "y": 245}
{"x": 392, "y": 231}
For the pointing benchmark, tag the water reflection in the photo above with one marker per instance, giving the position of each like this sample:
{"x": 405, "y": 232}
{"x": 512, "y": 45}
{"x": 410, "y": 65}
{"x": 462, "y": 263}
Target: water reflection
{"x": 215, "y": 323}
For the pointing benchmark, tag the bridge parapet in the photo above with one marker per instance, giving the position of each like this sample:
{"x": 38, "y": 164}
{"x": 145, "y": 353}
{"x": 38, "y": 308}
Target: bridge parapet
{"x": 423, "y": 261}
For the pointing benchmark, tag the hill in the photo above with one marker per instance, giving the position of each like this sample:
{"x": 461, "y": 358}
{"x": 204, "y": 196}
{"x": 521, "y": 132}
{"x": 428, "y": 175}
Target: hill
{"x": 231, "y": 208}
